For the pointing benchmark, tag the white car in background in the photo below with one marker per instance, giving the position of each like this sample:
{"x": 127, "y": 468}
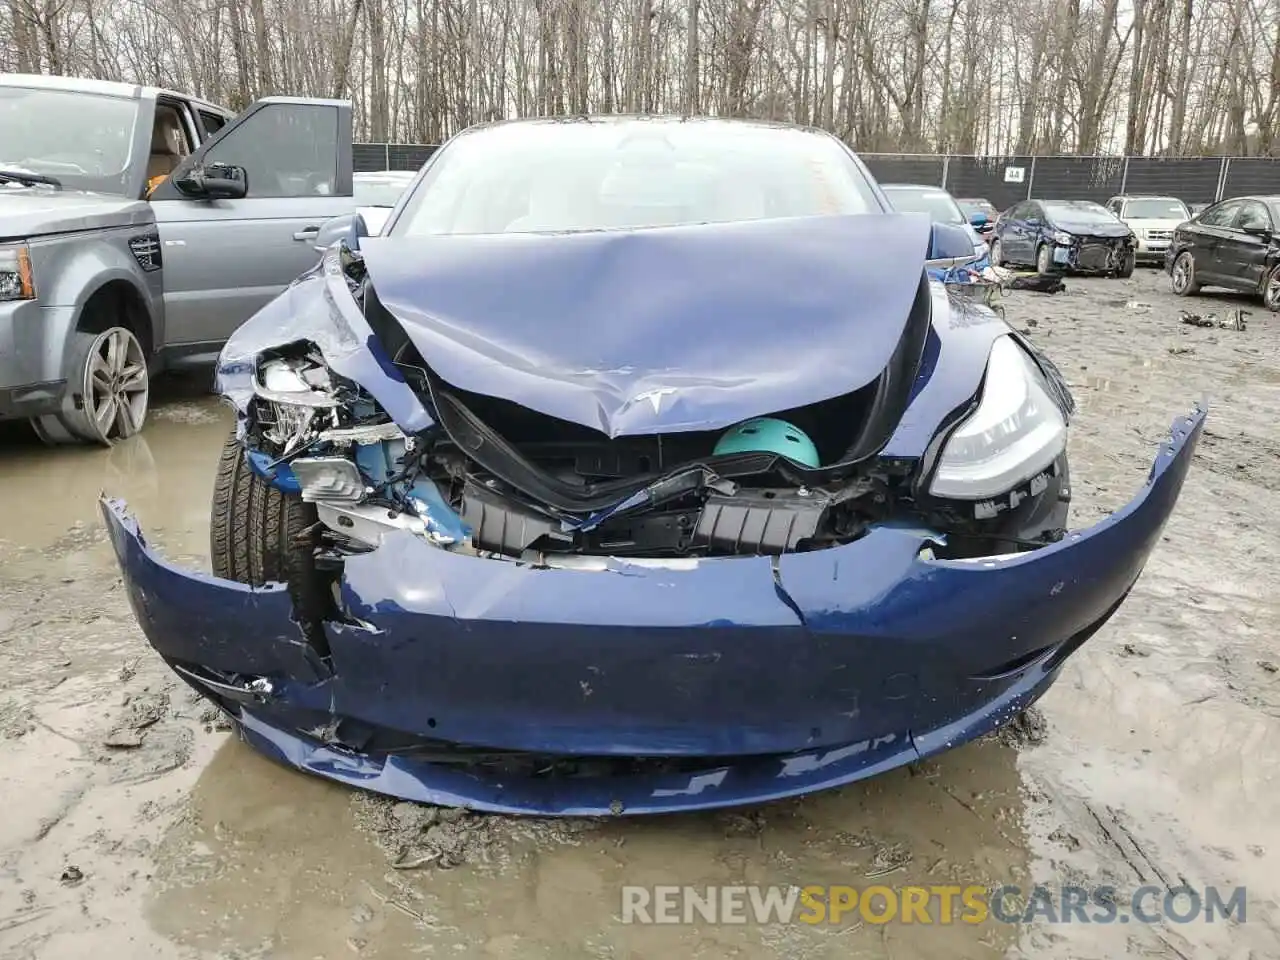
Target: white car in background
{"x": 1153, "y": 220}
{"x": 941, "y": 208}
{"x": 376, "y": 193}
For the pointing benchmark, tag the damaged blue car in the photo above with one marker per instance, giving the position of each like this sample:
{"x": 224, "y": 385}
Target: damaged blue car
{"x": 637, "y": 466}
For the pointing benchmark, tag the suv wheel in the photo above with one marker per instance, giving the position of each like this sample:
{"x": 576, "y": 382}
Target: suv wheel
{"x": 108, "y": 388}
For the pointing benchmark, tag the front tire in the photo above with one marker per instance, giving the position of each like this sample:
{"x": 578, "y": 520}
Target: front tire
{"x": 997, "y": 253}
{"x": 108, "y": 390}
{"x": 254, "y": 529}
{"x": 1044, "y": 259}
{"x": 1184, "y": 275}
{"x": 1127, "y": 267}
{"x": 1271, "y": 291}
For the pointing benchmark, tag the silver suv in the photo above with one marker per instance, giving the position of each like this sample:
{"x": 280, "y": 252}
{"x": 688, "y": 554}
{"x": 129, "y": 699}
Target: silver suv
{"x": 138, "y": 229}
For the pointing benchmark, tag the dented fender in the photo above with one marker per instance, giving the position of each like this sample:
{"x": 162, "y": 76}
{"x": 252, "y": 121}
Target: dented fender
{"x": 319, "y": 308}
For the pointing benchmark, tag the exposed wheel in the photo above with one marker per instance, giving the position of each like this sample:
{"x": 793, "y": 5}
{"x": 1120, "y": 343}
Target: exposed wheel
{"x": 108, "y": 388}
{"x": 997, "y": 253}
{"x": 1184, "y": 275}
{"x": 254, "y": 529}
{"x": 1271, "y": 291}
{"x": 1127, "y": 266}
{"x": 1044, "y": 259}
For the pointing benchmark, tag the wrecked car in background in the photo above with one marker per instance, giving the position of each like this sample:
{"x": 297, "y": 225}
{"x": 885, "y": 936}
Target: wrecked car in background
{"x": 637, "y": 467}
{"x": 1076, "y": 235}
{"x": 1233, "y": 244}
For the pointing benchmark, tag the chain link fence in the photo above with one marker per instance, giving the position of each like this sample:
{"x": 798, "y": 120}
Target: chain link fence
{"x": 1007, "y": 179}
{"x": 1004, "y": 180}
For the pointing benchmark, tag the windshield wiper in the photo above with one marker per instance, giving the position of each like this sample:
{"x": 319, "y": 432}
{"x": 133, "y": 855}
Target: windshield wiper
{"x": 30, "y": 179}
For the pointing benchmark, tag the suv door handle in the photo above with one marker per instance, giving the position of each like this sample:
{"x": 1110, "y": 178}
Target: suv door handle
{"x": 307, "y": 233}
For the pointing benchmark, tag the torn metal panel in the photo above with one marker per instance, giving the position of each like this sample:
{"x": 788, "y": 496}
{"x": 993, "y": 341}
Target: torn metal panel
{"x": 749, "y": 318}
{"x": 318, "y": 308}
{"x": 722, "y": 680}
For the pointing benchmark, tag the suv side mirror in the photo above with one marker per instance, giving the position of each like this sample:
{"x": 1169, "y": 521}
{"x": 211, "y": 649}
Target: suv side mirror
{"x": 217, "y": 181}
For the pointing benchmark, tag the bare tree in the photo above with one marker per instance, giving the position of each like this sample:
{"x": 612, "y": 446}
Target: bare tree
{"x": 1164, "y": 76}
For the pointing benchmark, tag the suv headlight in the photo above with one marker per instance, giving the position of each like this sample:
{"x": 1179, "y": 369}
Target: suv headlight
{"x": 15, "y": 274}
{"x": 1016, "y": 432}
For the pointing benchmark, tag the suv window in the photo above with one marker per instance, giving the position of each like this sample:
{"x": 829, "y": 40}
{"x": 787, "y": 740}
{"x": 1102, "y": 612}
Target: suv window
{"x": 1222, "y": 215}
{"x": 213, "y": 122}
{"x": 1254, "y": 215}
{"x": 287, "y": 150}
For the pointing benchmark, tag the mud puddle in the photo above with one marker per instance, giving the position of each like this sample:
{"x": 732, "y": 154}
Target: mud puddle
{"x": 138, "y": 826}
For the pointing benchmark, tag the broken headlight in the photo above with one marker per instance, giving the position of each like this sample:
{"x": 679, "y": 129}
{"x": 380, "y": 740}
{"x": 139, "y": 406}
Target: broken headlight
{"x": 293, "y": 391}
{"x": 1016, "y": 432}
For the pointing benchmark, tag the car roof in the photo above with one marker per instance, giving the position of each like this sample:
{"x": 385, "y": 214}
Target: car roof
{"x": 655, "y": 118}
{"x": 913, "y": 186}
{"x": 107, "y": 88}
{"x": 1147, "y": 196}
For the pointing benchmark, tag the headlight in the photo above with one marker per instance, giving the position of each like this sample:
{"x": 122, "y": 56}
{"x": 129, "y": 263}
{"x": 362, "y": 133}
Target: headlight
{"x": 293, "y": 392}
{"x": 15, "y": 274}
{"x": 1016, "y": 432}
{"x": 1061, "y": 236}
{"x": 296, "y": 382}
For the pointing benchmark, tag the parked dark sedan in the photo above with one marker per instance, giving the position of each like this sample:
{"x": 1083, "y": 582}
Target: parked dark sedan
{"x": 1076, "y": 235}
{"x": 1234, "y": 244}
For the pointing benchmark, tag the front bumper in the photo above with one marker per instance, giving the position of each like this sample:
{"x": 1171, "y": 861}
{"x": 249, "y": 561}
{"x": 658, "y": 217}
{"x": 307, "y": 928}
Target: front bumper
{"x": 1092, "y": 255}
{"x": 1153, "y": 250}
{"x": 727, "y": 681}
{"x": 32, "y": 338}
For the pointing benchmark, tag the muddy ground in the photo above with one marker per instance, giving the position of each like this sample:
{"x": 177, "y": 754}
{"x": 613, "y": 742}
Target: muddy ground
{"x": 134, "y": 824}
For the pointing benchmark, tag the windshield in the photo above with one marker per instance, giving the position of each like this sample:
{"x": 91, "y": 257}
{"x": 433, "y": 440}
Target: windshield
{"x": 82, "y": 139}
{"x": 970, "y": 207}
{"x": 1077, "y": 209}
{"x": 938, "y": 204}
{"x": 1156, "y": 209}
{"x": 378, "y": 191}
{"x": 556, "y": 176}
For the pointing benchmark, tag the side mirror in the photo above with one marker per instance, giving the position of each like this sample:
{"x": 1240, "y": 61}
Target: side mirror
{"x": 217, "y": 181}
{"x": 356, "y": 230}
{"x": 949, "y": 245}
{"x": 978, "y": 219}
{"x": 1255, "y": 229}
{"x": 331, "y": 231}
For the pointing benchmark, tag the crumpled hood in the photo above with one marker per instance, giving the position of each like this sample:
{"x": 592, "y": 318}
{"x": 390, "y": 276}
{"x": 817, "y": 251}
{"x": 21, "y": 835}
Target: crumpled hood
{"x": 27, "y": 212}
{"x": 659, "y": 330}
{"x": 1091, "y": 227}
